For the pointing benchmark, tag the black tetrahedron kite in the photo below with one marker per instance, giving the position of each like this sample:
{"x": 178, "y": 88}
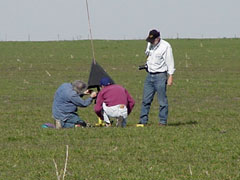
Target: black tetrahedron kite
{"x": 96, "y": 74}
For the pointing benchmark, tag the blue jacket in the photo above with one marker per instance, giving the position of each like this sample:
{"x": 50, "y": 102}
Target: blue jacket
{"x": 66, "y": 101}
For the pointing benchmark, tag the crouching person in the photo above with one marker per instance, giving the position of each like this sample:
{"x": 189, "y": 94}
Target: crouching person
{"x": 113, "y": 101}
{"x": 66, "y": 100}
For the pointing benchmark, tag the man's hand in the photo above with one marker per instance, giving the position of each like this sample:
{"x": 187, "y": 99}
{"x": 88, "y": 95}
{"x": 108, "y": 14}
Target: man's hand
{"x": 87, "y": 92}
{"x": 93, "y": 94}
{"x": 170, "y": 80}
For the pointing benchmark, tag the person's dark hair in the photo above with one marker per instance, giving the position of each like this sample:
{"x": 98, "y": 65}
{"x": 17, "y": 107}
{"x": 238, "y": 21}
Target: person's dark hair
{"x": 79, "y": 86}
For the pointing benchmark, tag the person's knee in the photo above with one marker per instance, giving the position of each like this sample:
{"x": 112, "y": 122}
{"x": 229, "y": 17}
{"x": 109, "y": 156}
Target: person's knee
{"x": 163, "y": 104}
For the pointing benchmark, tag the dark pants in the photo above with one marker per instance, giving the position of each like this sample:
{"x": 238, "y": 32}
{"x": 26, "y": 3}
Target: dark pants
{"x": 73, "y": 120}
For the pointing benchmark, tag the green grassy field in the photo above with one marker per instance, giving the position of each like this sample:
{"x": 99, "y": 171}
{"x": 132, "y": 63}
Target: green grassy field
{"x": 201, "y": 141}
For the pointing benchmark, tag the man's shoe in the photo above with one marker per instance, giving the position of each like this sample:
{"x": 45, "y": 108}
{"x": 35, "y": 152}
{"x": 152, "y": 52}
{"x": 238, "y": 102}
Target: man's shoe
{"x": 140, "y": 125}
{"x": 58, "y": 124}
{"x": 160, "y": 124}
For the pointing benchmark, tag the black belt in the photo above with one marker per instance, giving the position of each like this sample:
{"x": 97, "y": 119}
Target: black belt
{"x": 156, "y": 72}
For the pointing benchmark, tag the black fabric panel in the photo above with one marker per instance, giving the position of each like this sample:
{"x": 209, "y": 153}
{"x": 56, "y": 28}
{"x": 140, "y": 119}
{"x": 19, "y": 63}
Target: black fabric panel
{"x": 96, "y": 74}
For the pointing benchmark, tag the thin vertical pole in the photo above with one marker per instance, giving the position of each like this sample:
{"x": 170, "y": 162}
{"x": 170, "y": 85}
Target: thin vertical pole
{"x": 90, "y": 30}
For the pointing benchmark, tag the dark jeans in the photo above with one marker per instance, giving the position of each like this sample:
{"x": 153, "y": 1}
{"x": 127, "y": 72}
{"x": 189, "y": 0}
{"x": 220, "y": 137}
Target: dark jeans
{"x": 155, "y": 83}
{"x": 72, "y": 121}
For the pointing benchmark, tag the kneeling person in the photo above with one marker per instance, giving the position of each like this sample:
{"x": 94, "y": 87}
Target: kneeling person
{"x": 113, "y": 101}
{"x": 66, "y": 100}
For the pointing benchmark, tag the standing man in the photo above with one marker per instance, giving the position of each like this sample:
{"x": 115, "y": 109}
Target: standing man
{"x": 113, "y": 101}
{"x": 66, "y": 100}
{"x": 160, "y": 68}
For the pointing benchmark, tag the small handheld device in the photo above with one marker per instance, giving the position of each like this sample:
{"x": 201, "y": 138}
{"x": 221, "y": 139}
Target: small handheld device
{"x": 141, "y": 67}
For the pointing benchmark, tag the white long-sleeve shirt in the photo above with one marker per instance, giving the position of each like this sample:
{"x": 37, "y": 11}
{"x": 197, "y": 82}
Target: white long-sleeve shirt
{"x": 160, "y": 58}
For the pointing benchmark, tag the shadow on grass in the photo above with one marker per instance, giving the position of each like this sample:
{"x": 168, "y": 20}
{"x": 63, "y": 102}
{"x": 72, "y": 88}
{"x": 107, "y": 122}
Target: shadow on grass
{"x": 183, "y": 123}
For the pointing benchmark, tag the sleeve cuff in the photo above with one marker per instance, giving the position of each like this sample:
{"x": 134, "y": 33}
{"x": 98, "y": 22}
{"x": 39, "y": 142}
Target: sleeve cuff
{"x": 171, "y": 72}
